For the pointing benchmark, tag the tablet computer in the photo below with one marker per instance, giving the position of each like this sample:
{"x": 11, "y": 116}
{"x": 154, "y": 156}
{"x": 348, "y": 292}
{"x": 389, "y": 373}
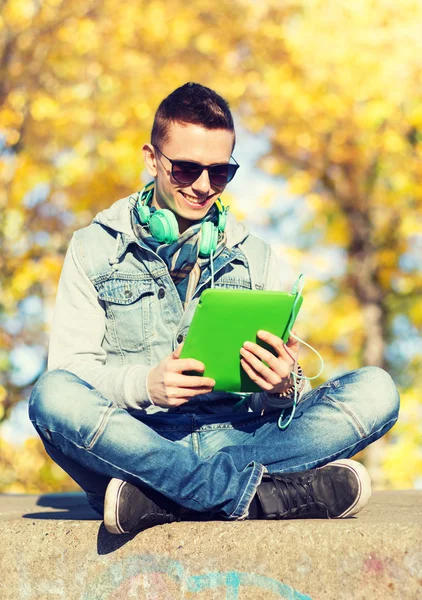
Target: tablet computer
{"x": 224, "y": 319}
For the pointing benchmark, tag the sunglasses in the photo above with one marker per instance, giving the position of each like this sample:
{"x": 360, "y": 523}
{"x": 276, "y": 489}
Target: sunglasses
{"x": 186, "y": 172}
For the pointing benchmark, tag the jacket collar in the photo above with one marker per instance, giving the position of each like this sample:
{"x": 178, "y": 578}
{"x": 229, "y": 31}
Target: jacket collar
{"x": 118, "y": 218}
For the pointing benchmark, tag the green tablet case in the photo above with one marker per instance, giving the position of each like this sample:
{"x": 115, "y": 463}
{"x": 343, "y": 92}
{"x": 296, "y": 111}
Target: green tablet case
{"x": 224, "y": 319}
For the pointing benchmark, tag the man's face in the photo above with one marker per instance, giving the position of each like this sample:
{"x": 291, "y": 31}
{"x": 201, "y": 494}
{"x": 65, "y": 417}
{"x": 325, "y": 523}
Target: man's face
{"x": 192, "y": 143}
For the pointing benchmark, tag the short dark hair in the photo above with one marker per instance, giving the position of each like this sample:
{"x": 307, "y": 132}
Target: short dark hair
{"x": 191, "y": 103}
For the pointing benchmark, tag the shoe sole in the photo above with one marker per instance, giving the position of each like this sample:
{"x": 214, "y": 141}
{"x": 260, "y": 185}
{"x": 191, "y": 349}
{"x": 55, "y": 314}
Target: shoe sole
{"x": 111, "y": 502}
{"x": 364, "y": 480}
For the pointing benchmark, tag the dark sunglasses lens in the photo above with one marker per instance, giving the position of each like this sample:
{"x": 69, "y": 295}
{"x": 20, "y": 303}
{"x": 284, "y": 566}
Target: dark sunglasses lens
{"x": 185, "y": 172}
{"x": 222, "y": 174}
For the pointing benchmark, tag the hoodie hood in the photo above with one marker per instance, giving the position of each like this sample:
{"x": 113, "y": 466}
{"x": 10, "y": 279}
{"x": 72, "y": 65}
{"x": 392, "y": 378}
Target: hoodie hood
{"x": 118, "y": 218}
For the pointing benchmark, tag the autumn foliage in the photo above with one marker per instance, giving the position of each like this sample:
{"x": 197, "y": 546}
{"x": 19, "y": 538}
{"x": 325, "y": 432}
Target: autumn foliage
{"x": 333, "y": 86}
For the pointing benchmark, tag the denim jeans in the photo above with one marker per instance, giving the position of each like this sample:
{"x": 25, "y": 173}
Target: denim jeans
{"x": 206, "y": 462}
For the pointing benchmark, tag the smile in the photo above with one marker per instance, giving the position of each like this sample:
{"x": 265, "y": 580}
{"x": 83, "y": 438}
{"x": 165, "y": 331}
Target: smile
{"x": 195, "y": 201}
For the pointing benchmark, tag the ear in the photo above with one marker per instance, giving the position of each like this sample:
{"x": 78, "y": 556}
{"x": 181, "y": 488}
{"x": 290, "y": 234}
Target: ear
{"x": 150, "y": 159}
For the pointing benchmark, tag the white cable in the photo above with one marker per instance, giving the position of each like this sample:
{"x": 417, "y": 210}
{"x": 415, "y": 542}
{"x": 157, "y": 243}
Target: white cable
{"x": 313, "y": 350}
{"x": 295, "y": 377}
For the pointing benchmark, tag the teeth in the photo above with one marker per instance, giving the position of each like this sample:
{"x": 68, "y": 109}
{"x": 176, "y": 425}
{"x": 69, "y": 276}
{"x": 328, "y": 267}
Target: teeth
{"x": 194, "y": 200}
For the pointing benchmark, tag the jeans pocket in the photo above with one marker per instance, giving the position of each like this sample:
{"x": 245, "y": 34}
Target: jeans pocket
{"x": 315, "y": 395}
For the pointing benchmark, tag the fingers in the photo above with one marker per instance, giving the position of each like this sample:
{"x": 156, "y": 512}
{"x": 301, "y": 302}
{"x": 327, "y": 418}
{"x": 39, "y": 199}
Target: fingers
{"x": 271, "y": 339}
{"x": 175, "y": 394}
{"x": 285, "y": 351}
{"x": 255, "y": 355}
{"x": 257, "y": 377}
{"x": 285, "y": 359}
{"x": 168, "y": 385}
{"x": 291, "y": 350}
{"x": 188, "y": 381}
{"x": 292, "y": 342}
{"x": 265, "y": 369}
{"x": 271, "y": 375}
{"x": 186, "y": 364}
{"x": 177, "y": 351}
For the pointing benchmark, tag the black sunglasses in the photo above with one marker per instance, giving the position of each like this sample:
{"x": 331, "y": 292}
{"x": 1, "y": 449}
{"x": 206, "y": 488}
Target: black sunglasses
{"x": 186, "y": 172}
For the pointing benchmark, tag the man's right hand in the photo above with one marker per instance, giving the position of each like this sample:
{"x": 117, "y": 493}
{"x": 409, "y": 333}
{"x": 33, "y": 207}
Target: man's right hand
{"x": 168, "y": 386}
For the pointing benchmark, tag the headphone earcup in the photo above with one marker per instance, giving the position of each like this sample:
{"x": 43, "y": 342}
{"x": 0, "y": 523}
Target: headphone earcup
{"x": 209, "y": 239}
{"x": 144, "y": 213}
{"x": 163, "y": 226}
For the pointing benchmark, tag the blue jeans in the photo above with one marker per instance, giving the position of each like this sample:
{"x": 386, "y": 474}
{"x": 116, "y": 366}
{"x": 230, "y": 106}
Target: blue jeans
{"x": 206, "y": 462}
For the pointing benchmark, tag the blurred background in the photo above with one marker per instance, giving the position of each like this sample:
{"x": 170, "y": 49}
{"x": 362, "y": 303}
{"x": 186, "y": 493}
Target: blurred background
{"x": 327, "y": 99}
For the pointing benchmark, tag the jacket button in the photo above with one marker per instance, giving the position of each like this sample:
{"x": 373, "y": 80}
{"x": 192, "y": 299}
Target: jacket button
{"x": 128, "y": 294}
{"x": 161, "y": 293}
{"x": 180, "y": 339}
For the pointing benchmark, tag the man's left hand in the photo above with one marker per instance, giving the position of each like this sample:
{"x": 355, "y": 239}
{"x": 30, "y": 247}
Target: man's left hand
{"x": 274, "y": 378}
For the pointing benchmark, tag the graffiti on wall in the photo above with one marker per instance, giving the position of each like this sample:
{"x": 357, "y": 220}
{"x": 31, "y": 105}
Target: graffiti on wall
{"x": 156, "y": 577}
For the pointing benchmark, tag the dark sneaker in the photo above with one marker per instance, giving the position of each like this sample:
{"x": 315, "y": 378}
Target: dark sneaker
{"x": 337, "y": 490}
{"x": 128, "y": 509}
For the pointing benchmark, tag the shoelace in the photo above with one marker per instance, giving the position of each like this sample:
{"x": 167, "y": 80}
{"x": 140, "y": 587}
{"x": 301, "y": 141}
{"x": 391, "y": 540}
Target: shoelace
{"x": 168, "y": 513}
{"x": 294, "y": 492}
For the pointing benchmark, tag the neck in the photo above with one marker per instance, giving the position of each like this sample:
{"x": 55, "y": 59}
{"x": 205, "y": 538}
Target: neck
{"x": 183, "y": 223}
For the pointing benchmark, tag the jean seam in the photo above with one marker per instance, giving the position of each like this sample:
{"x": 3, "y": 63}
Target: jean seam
{"x": 342, "y": 407}
{"x": 101, "y": 427}
{"x": 41, "y": 426}
{"x": 238, "y": 425}
{"x": 331, "y": 457}
{"x": 216, "y": 426}
{"x": 249, "y": 492}
{"x": 164, "y": 429}
{"x": 42, "y": 431}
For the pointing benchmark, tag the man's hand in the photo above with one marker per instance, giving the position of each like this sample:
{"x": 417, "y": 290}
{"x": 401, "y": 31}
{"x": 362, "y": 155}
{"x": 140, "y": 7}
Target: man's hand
{"x": 274, "y": 378}
{"x": 168, "y": 387}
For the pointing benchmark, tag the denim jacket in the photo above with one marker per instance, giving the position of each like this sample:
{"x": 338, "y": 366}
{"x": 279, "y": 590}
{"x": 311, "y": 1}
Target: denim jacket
{"x": 118, "y": 312}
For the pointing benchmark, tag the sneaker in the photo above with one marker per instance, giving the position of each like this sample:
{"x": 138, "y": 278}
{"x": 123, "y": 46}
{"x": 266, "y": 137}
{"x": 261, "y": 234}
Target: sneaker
{"x": 337, "y": 490}
{"x": 128, "y": 509}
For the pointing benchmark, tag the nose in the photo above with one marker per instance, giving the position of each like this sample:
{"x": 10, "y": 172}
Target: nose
{"x": 202, "y": 185}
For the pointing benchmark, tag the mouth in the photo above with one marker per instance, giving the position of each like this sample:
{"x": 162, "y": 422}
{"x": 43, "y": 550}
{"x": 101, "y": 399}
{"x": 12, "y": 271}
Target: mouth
{"x": 195, "y": 202}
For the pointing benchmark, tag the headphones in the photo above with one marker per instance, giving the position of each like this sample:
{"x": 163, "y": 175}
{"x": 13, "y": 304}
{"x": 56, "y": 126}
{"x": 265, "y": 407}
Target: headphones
{"x": 164, "y": 228}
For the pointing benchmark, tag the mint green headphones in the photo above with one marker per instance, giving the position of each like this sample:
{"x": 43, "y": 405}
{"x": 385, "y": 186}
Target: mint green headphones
{"x": 164, "y": 227}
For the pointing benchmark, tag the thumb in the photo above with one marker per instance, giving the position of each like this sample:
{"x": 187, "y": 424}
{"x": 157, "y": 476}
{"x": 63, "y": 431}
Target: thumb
{"x": 176, "y": 353}
{"x": 292, "y": 341}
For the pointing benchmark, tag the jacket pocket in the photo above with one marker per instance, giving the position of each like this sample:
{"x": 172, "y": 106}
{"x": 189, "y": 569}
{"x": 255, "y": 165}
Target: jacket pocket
{"x": 129, "y": 322}
{"x": 233, "y": 282}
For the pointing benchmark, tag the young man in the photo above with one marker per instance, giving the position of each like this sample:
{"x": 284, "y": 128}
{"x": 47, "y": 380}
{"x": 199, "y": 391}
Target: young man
{"x": 147, "y": 442}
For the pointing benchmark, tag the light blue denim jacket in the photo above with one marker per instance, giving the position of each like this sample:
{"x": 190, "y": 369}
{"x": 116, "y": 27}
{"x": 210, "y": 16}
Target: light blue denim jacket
{"x": 118, "y": 312}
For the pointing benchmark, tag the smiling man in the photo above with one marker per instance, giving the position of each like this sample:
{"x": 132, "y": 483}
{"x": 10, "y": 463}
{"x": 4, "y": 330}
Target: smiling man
{"x": 148, "y": 442}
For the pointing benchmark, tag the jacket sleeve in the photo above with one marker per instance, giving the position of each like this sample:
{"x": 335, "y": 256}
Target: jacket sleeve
{"x": 77, "y": 333}
{"x": 262, "y": 400}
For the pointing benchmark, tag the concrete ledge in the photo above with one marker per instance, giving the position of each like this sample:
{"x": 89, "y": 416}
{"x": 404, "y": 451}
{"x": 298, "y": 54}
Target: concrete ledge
{"x": 53, "y": 546}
